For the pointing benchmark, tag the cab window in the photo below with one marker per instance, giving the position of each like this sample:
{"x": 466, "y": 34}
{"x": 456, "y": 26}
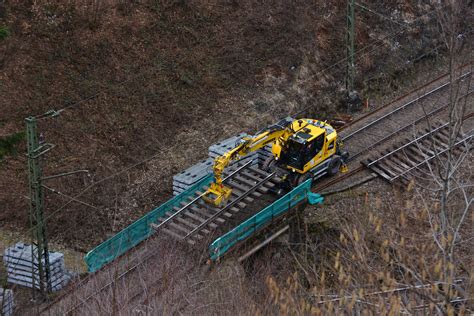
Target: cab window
{"x": 314, "y": 147}
{"x": 331, "y": 145}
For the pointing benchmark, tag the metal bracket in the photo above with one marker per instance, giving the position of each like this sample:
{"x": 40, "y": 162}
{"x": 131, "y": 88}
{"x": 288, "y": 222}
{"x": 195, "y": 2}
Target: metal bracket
{"x": 41, "y": 150}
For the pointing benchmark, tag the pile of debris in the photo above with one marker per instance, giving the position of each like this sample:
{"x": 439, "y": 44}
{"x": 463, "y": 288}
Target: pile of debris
{"x": 187, "y": 178}
{"x": 6, "y": 302}
{"x": 23, "y": 271}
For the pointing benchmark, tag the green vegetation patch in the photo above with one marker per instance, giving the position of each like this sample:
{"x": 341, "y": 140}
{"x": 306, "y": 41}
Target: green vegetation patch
{"x": 8, "y": 144}
{"x": 4, "y": 32}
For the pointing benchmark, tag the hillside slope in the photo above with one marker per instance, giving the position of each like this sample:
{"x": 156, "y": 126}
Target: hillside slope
{"x": 163, "y": 79}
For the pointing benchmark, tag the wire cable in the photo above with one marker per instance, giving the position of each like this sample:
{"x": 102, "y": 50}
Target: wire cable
{"x": 224, "y": 123}
{"x": 364, "y": 49}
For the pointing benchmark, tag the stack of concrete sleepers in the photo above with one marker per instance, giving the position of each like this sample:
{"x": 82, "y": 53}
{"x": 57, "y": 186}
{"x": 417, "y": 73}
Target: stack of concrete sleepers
{"x": 19, "y": 264}
{"x": 224, "y": 146}
{"x": 187, "y": 178}
{"x": 6, "y": 302}
{"x": 258, "y": 157}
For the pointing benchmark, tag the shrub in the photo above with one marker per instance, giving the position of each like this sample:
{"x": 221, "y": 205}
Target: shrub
{"x": 8, "y": 144}
{"x": 4, "y": 32}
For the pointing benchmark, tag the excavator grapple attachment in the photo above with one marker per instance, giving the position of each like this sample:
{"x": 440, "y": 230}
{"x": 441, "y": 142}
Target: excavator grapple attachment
{"x": 217, "y": 195}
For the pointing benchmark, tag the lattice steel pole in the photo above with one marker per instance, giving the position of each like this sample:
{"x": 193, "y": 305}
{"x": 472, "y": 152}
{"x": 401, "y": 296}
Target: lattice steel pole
{"x": 350, "y": 46}
{"x": 39, "y": 237}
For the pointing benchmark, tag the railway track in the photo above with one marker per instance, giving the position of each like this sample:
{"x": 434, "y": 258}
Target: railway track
{"x": 386, "y": 122}
{"x": 405, "y": 127}
{"x": 194, "y": 222}
{"x": 380, "y": 132}
{"x": 406, "y": 159}
{"x": 466, "y": 73}
{"x": 410, "y": 154}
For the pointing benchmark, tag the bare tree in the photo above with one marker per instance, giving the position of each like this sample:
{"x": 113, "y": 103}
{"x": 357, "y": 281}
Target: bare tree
{"x": 448, "y": 198}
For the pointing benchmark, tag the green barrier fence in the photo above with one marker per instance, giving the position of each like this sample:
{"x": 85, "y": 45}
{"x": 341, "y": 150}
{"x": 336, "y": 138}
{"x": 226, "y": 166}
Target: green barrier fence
{"x": 246, "y": 229}
{"x": 137, "y": 232}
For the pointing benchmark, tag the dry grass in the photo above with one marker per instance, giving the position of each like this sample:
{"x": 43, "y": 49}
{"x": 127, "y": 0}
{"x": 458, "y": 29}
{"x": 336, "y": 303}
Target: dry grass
{"x": 169, "y": 79}
{"x": 369, "y": 251}
{"x": 172, "y": 76}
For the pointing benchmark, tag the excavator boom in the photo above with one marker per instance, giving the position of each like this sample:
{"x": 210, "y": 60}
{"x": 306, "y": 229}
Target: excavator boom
{"x": 218, "y": 193}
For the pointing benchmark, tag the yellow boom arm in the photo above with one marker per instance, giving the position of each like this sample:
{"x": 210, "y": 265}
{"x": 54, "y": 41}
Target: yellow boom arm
{"x": 218, "y": 192}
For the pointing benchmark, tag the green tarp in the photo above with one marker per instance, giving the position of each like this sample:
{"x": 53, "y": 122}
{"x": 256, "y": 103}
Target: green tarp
{"x": 137, "y": 232}
{"x": 246, "y": 229}
{"x": 315, "y": 198}
{"x": 132, "y": 235}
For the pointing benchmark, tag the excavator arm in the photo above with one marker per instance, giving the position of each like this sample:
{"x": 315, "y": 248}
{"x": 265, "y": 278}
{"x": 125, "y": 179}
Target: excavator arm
{"x": 218, "y": 193}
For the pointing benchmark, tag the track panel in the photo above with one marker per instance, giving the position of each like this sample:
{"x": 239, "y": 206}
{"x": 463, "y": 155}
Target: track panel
{"x": 195, "y": 218}
{"x": 407, "y": 158}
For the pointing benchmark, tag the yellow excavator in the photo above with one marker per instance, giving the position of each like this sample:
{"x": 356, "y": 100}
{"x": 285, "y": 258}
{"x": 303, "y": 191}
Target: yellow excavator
{"x": 301, "y": 149}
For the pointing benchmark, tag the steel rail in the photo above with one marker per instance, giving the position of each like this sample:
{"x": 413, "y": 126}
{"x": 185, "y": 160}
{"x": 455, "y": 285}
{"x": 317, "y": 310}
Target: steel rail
{"x": 465, "y": 139}
{"x": 344, "y": 176}
{"x": 83, "y": 281}
{"x": 228, "y": 206}
{"x": 119, "y": 277}
{"x": 154, "y": 285}
{"x": 431, "y": 132}
{"x": 402, "y": 107}
{"x": 380, "y": 141}
{"x": 405, "y": 95}
{"x": 353, "y": 172}
{"x": 157, "y": 226}
{"x": 468, "y": 116}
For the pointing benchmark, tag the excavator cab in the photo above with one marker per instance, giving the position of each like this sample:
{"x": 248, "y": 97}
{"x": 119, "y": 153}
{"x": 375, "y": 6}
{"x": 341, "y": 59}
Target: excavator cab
{"x": 299, "y": 152}
{"x": 304, "y": 149}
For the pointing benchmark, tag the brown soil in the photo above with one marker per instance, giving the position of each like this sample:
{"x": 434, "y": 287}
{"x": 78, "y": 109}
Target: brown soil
{"x": 148, "y": 85}
{"x": 157, "y": 79}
